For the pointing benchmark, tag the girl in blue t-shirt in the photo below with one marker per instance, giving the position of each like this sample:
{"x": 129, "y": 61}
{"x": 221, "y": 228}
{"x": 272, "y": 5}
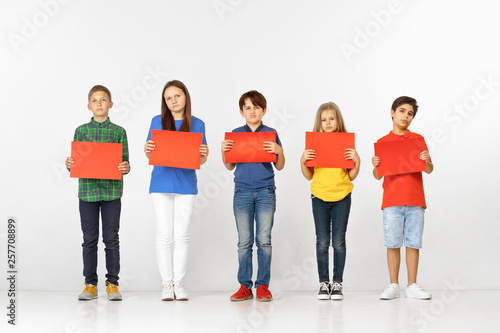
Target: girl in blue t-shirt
{"x": 173, "y": 191}
{"x": 331, "y": 203}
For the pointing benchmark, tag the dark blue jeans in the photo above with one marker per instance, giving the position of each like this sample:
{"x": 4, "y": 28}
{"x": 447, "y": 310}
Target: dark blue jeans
{"x": 89, "y": 216}
{"x": 330, "y": 220}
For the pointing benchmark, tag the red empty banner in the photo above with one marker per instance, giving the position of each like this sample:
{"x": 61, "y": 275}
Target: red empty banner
{"x": 176, "y": 149}
{"x": 249, "y": 147}
{"x": 97, "y": 160}
{"x": 402, "y": 156}
{"x": 330, "y": 148}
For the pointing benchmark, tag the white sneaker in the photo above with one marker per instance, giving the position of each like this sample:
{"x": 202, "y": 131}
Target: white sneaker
{"x": 167, "y": 294}
{"x": 179, "y": 292}
{"x": 391, "y": 292}
{"x": 415, "y": 291}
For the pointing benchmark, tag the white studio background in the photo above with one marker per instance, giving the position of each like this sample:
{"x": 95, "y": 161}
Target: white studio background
{"x": 359, "y": 54}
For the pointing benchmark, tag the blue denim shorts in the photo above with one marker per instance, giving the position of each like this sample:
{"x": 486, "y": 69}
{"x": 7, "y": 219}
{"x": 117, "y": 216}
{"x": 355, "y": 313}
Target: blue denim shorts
{"x": 403, "y": 222}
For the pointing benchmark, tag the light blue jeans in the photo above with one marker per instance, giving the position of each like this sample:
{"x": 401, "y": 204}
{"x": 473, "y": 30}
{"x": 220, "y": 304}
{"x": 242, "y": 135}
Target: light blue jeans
{"x": 259, "y": 206}
{"x": 403, "y": 223}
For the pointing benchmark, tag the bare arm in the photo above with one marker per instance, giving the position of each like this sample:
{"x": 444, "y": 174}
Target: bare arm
{"x": 204, "y": 154}
{"x": 376, "y": 162}
{"x": 426, "y": 157}
{"x": 226, "y": 146}
{"x": 149, "y": 147}
{"x": 68, "y": 163}
{"x": 307, "y": 155}
{"x": 352, "y": 154}
{"x": 274, "y": 148}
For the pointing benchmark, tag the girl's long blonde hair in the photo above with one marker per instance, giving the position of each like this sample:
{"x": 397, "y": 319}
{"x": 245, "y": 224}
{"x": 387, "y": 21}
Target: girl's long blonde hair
{"x": 338, "y": 116}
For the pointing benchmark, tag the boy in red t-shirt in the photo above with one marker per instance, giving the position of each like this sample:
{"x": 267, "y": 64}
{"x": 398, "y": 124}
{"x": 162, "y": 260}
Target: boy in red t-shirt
{"x": 403, "y": 206}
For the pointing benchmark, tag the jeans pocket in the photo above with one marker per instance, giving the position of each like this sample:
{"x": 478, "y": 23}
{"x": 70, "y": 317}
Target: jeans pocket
{"x": 271, "y": 189}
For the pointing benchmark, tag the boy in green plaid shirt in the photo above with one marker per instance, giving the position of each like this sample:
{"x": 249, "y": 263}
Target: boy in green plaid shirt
{"x": 103, "y": 195}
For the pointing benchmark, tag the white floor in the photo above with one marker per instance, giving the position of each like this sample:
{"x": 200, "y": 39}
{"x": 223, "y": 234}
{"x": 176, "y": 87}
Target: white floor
{"x": 448, "y": 311}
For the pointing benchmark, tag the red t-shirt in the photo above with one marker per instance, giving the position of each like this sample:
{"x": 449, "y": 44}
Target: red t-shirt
{"x": 404, "y": 189}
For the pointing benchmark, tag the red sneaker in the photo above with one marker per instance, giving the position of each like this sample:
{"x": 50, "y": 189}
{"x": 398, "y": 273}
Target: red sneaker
{"x": 263, "y": 294}
{"x": 242, "y": 294}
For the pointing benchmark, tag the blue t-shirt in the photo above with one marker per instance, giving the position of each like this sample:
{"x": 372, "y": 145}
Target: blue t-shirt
{"x": 254, "y": 176}
{"x": 175, "y": 180}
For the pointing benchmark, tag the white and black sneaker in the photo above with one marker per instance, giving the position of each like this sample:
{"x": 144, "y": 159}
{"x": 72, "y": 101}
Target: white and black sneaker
{"x": 324, "y": 291}
{"x": 336, "y": 293}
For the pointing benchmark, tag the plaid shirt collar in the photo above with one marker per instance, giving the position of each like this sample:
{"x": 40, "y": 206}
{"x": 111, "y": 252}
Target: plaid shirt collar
{"x": 105, "y": 123}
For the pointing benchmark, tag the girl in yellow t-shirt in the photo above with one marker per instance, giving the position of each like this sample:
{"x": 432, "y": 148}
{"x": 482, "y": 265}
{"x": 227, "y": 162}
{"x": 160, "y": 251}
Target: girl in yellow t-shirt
{"x": 331, "y": 202}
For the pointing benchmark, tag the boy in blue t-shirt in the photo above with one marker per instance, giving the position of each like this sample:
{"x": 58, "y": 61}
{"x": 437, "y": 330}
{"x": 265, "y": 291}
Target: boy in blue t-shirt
{"x": 254, "y": 196}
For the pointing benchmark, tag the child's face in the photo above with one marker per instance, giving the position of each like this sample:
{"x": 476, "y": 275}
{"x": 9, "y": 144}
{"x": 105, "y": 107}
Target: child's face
{"x": 402, "y": 116}
{"x": 176, "y": 100}
{"x": 253, "y": 113}
{"x": 100, "y": 104}
{"x": 328, "y": 121}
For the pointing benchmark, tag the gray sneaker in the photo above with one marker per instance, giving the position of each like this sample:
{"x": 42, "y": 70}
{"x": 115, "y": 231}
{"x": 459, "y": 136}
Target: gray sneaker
{"x": 336, "y": 294}
{"x": 113, "y": 293}
{"x": 89, "y": 293}
{"x": 324, "y": 291}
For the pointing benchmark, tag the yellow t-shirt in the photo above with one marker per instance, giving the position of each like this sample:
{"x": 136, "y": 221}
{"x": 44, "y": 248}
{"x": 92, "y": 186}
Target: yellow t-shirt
{"x": 331, "y": 184}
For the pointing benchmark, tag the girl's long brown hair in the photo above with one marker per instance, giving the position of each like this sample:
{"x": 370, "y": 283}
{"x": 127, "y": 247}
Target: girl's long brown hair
{"x": 167, "y": 119}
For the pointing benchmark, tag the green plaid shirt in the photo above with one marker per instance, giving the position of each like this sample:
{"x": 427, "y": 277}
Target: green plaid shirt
{"x": 93, "y": 190}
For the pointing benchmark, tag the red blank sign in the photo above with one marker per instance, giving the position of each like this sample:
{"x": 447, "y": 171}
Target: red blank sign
{"x": 401, "y": 156}
{"x": 330, "y": 148}
{"x": 249, "y": 147}
{"x": 97, "y": 160}
{"x": 176, "y": 149}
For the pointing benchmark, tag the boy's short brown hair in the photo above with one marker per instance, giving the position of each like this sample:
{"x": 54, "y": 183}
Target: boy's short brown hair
{"x": 97, "y": 88}
{"x": 256, "y": 97}
{"x": 405, "y": 100}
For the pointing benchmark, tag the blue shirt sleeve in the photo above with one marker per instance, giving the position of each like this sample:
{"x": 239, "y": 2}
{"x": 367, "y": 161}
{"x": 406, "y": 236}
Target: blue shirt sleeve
{"x": 204, "y": 136}
{"x": 154, "y": 125}
{"x": 278, "y": 141}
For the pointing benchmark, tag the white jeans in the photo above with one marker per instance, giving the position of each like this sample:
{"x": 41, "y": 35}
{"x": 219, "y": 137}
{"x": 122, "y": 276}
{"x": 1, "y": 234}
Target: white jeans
{"x": 173, "y": 215}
